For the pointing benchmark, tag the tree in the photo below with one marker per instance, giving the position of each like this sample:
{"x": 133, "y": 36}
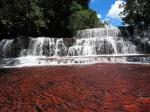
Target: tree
{"x": 44, "y": 17}
{"x": 21, "y": 17}
{"x": 137, "y": 12}
{"x": 82, "y": 18}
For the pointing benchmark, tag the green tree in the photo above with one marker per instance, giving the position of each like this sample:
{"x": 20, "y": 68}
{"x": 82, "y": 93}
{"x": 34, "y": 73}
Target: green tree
{"x": 82, "y": 18}
{"x": 44, "y": 17}
{"x": 137, "y": 12}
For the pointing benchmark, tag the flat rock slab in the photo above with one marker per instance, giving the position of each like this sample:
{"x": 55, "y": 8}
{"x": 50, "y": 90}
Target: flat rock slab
{"x": 90, "y": 88}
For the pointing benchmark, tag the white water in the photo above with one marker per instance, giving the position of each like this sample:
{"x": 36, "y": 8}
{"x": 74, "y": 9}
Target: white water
{"x": 52, "y": 51}
{"x": 5, "y": 47}
{"x": 41, "y": 46}
{"x": 99, "y": 42}
{"x": 75, "y": 60}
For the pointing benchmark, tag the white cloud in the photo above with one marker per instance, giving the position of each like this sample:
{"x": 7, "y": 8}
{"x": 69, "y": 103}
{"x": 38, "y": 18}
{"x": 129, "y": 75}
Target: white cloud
{"x": 115, "y": 10}
{"x": 99, "y": 16}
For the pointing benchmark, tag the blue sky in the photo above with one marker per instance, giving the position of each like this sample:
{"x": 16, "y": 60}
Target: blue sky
{"x": 108, "y": 10}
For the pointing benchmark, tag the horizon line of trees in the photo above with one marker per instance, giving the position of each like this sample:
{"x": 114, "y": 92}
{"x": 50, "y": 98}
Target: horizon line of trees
{"x": 57, "y": 18}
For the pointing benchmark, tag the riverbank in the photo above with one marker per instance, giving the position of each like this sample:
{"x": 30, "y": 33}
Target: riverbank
{"x": 92, "y": 88}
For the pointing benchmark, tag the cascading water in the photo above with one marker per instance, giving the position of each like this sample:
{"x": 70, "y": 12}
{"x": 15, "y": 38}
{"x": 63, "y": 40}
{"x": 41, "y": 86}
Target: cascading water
{"x": 90, "y": 45}
{"x": 41, "y": 46}
{"x": 100, "y": 41}
{"x": 5, "y": 48}
{"x": 60, "y": 48}
{"x": 44, "y": 46}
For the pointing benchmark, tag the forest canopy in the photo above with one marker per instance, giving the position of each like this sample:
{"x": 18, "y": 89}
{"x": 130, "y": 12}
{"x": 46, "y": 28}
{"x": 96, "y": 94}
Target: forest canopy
{"x": 57, "y": 18}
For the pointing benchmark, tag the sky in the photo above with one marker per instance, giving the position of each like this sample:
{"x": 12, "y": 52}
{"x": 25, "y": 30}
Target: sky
{"x": 108, "y": 10}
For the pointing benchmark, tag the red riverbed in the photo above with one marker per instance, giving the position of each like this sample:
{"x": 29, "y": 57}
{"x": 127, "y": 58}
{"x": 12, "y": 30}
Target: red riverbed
{"x": 91, "y": 88}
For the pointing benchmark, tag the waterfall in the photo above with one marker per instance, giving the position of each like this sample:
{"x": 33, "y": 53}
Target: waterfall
{"x": 98, "y": 32}
{"x": 100, "y": 41}
{"x": 44, "y": 46}
{"x": 88, "y": 42}
{"x": 5, "y": 48}
{"x": 60, "y": 48}
{"x": 79, "y": 49}
{"x": 41, "y": 46}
